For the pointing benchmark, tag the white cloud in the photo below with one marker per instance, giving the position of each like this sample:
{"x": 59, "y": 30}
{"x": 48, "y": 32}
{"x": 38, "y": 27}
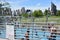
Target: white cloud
{"x": 16, "y": 5}
{"x": 16, "y": 1}
{"x": 36, "y": 8}
{"x": 32, "y": 7}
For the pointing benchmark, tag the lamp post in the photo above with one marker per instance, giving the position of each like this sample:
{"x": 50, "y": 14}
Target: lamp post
{"x": 48, "y": 13}
{"x": 32, "y": 18}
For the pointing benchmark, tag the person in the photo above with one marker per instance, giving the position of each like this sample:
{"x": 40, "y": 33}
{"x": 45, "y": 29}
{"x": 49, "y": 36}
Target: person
{"x": 53, "y": 32}
{"x": 27, "y": 34}
{"x": 49, "y": 25}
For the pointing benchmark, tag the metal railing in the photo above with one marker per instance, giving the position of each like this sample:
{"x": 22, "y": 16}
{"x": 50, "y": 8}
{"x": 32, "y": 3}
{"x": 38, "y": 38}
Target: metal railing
{"x": 34, "y": 26}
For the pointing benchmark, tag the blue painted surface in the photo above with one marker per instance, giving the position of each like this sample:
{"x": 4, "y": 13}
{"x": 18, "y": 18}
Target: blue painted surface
{"x": 20, "y": 33}
{"x": 2, "y": 33}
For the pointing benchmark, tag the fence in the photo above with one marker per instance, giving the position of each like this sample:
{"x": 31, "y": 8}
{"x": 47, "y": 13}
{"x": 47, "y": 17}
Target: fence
{"x": 36, "y": 30}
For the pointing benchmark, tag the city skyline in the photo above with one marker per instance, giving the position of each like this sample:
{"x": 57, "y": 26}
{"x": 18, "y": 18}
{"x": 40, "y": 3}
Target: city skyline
{"x": 33, "y": 4}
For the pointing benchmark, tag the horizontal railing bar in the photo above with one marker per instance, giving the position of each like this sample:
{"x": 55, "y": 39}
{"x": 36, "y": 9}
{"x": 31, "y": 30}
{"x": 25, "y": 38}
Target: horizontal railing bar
{"x": 41, "y": 29}
{"x": 39, "y": 38}
{"x": 43, "y": 23}
{"x": 35, "y": 34}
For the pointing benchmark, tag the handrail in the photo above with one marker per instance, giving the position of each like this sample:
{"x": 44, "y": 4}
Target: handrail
{"x": 31, "y": 23}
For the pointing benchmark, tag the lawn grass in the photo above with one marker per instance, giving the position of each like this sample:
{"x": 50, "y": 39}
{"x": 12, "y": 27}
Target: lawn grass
{"x": 42, "y": 19}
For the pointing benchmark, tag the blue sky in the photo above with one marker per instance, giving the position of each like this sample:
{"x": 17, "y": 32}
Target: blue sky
{"x": 33, "y": 4}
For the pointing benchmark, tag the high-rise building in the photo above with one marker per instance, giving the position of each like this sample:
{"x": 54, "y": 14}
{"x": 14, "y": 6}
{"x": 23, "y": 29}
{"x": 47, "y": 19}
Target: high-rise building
{"x": 53, "y": 9}
{"x": 23, "y": 10}
{"x": 18, "y": 12}
{"x": 7, "y": 11}
{"x": 14, "y": 13}
{"x": 49, "y": 12}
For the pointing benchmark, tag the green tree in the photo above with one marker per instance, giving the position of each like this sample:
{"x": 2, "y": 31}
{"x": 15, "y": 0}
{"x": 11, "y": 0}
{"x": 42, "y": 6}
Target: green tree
{"x": 37, "y": 13}
{"x": 58, "y": 12}
{"x": 40, "y": 13}
{"x": 25, "y": 15}
{"x": 45, "y": 12}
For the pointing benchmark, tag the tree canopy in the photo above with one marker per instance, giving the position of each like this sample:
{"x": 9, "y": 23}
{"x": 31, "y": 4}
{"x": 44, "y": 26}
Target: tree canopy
{"x": 58, "y": 12}
{"x": 37, "y": 13}
{"x": 45, "y": 12}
